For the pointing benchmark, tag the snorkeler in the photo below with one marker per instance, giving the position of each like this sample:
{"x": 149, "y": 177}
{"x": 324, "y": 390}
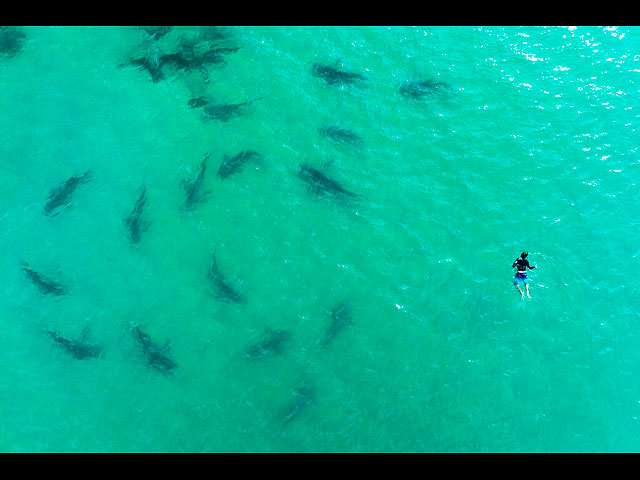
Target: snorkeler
{"x": 521, "y": 274}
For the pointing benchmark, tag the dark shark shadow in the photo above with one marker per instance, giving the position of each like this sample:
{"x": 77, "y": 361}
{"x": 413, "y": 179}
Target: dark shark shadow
{"x": 303, "y": 396}
{"x": 199, "y": 51}
{"x": 11, "y": 41}
{"x": 44, "y": 284}
{"x": 148, "y": 56}
{"x": 420, "y": 89}
{"x": 220, "y": 111}
{"x": 335, "y": 76}
{"x": 198, "y": 54}
{"x": 134, "y": 222}
{"x": 272, "y": 342}
{"x": 221, "y": 288}
{"x": 157, "y": 356}
{"x": 319, "y": 184}
{"x": 156, "y": 32}
{"x": 340, "y": 319}
{"x": 231, "y": 165}
{"x": 341, "y": 136}
{"x": 60, "y": 196}
{"x": 194, "y": 188}
{"x": 80, "y": 349}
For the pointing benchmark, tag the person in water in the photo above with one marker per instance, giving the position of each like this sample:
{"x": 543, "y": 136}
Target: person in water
{"x": 521, "y": 273}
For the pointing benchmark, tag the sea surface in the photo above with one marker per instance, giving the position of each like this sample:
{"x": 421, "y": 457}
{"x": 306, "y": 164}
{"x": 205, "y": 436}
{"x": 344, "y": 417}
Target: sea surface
{"x": 386, "y": 321}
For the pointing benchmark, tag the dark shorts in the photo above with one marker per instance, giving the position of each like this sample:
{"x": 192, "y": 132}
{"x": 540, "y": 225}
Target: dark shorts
{"x": 521, "y": 278}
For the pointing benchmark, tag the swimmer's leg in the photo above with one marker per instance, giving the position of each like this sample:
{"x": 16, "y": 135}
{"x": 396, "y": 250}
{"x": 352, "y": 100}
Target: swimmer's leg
{"x": 520, "y": 290}
{"x": 527, "y": 287}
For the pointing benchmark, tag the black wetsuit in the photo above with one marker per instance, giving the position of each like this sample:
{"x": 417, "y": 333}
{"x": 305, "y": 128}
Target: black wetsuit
{"x": 522, "y": 264}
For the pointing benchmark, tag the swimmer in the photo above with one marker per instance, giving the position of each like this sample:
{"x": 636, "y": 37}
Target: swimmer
{"x": 521, "y": 274}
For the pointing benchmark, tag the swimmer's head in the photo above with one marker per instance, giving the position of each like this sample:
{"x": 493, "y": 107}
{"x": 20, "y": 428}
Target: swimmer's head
{"x": 524, "y": 254}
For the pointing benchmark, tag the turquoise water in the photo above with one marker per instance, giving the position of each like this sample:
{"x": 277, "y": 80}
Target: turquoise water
{"x": 530, "y": 147}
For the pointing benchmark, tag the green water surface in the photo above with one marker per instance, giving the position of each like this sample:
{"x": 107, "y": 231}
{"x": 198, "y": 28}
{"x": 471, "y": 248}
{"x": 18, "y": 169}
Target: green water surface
{"x": 532, "y": 146}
